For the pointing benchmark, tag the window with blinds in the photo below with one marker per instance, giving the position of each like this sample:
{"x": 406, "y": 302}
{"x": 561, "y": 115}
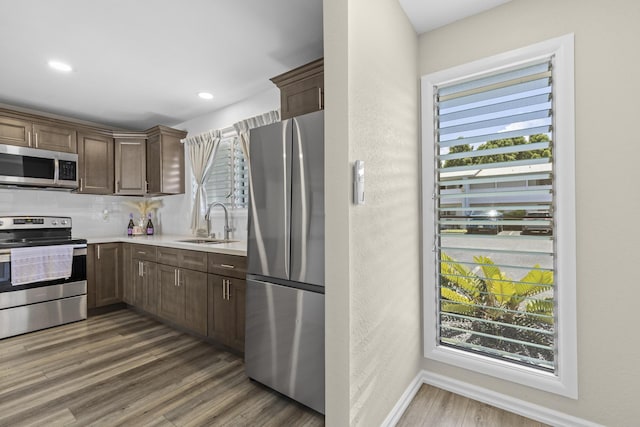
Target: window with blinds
{"x": 228, "y": 178}
{"x": 494, "y": 215}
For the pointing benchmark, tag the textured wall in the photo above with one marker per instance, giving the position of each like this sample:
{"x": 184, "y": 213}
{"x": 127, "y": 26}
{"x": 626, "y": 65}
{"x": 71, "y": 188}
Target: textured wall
{"x": 607, "y": 89}
{"x": 382, "y": 281}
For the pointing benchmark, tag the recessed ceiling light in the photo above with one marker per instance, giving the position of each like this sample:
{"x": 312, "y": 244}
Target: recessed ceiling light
{"x": 60, "y": 66}
{"x": 205, "y": 95}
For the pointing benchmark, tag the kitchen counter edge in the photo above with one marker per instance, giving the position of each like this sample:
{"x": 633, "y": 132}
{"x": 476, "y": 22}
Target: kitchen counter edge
{"x": 234, "y": 248}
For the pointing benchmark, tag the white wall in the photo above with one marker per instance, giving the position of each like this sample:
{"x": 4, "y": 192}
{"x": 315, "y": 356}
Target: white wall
{"x": 372, "y": 114}
{"x": 220, "y": 119}
{"x": 607, "y": 89}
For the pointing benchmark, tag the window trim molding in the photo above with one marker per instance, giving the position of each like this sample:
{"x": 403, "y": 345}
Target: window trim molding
{"x": 565, "y": 382}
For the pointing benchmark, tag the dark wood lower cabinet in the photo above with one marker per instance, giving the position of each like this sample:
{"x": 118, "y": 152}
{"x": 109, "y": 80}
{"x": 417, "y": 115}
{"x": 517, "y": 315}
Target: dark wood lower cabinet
{"x": 145, "y": 290}
{"x": 227, "y": 310}
{"x": 104, "y": 275}
{"x": 194, "y": 284}
{"x": 173, "y": 284}
{"x": 171, "y": 304}
{"x": 127, "y": 275}
{"x": 183, "y": 297}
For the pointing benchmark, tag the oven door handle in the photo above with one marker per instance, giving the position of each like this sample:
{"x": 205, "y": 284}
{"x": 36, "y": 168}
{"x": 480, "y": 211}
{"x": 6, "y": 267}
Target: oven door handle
{"x": 5, "y": 254}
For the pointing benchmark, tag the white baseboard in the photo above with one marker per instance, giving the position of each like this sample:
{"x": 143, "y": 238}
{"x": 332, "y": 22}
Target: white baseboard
{"x": 403, "y": 403}
{"x": 481, "y": 394}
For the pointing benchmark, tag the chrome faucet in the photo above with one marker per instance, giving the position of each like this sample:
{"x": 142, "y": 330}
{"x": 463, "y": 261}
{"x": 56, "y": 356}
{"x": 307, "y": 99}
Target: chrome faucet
{"x": 207, "y": 217}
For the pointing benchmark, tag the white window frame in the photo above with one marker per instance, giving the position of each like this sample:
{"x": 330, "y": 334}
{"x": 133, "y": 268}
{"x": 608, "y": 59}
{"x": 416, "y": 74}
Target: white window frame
{"x": 565, "y": 381}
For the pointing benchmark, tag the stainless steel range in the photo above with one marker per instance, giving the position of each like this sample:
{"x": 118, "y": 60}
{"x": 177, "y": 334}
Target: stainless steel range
{"x": 43, "y": 274}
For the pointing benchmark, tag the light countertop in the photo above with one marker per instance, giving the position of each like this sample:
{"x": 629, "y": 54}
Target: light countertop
{"x": 173, "y": 241}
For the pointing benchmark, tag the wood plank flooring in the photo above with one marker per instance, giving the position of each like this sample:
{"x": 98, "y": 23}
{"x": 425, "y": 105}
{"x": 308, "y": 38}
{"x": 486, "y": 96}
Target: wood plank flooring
{"x": 435, "y": 407}
{"x": 122, "y": 368}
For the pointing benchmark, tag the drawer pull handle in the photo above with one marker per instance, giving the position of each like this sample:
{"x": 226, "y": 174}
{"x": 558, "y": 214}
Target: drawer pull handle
{"x": 227, "y": 266}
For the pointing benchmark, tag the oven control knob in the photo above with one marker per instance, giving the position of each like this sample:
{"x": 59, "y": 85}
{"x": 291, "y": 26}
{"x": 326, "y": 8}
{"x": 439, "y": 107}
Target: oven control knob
{"x": 64, "y": 222}
{"x": 54, "y": 222}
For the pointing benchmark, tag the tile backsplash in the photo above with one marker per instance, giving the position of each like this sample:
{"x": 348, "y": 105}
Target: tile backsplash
{"x": 98, "y": 216}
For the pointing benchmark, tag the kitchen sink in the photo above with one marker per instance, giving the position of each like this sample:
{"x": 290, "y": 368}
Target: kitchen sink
{"x": 207, "y": 241}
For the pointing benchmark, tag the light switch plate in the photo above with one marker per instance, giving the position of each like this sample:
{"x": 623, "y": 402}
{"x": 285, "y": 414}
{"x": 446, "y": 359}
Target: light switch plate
{"x": 358, "y": 182}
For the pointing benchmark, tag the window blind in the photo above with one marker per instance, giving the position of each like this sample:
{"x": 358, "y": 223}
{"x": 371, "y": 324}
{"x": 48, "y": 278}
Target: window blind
{"x": 494, "y": 229}
{"x": 228, "y": 180}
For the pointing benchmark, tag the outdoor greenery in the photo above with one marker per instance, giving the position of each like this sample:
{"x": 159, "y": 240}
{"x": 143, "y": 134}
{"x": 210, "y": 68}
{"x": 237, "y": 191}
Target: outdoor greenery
{"x": 495, "y": 311}
{"x": 496, "y": 158}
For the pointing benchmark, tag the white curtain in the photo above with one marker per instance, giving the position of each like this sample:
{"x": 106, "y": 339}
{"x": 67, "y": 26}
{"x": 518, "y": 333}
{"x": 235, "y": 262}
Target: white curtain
{"x": 202, "y": 150}
{"x": 243, "y": 127}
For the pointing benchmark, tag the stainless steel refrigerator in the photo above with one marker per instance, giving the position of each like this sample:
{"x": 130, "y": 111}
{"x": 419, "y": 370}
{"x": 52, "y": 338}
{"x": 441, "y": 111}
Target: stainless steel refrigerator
{"x": 284, "y": 343}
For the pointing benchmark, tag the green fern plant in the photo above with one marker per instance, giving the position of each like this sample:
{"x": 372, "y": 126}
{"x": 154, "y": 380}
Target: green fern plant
{"x": 487, "y": 303}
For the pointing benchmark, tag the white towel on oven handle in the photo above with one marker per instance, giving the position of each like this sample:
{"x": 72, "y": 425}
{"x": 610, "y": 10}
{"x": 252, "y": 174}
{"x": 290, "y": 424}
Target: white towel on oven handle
{"x": 40, "y": 263}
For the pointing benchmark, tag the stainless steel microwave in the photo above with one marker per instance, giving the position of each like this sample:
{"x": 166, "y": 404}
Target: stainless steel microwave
{"x": 38, "y": 168}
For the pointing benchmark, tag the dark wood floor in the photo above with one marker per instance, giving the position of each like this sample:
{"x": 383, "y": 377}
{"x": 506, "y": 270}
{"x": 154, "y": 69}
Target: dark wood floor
{"x": 122, "y": 368}
{"x": 434, "y": 407}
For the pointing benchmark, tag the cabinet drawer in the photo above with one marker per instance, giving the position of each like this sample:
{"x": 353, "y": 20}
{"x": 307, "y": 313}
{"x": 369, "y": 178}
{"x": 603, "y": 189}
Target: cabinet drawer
{"x": 228, "y": 265}
{"x": 168, "y": 256}
{"x": 192, "y": 260}
{"x": 144, "y": 252}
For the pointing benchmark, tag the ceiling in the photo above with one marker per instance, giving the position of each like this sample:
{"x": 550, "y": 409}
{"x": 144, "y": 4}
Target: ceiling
{"x": 141, "y": 63}
{"x": 138, "y": 63}
{"x": 427, "y": 15}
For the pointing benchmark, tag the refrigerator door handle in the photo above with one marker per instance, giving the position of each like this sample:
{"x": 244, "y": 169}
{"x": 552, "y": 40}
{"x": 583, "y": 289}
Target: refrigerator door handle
{"x": 304, "y": 210}
{"x": 286, "y": 136}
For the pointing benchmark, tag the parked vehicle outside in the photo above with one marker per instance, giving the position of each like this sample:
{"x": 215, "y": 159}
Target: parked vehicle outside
{"x": 482, "y": 226}
{"x": 537, "y": 228}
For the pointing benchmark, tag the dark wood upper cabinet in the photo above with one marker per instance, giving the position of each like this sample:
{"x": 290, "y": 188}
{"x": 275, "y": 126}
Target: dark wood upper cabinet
{"x": 301, "y": 89}
{"x": 15, "y": 131}
{"x": 95, "y": 163}
{"x": 55, "y": 138}
{"x": 165, "y": 160}
{"x": 130, "y": 166}
{"x": 46, "y": 136}
{"x": 110, "y": 162}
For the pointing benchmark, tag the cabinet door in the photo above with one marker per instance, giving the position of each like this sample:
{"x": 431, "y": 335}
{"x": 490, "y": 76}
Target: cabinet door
{"x": 15, "y": 132}
{"x": 237, "y": 297}
{"x": 149, "y": 287}
{"x": 95, "y": 164}
{"x": 137, "y": 283}
{"x": 195, "y": 286}
{"x": 128, "y": 271}
{"x": 130, "y": 166}
{"x": 171, "y": 296}
{"x": 165, "y": 162}
{"x": 108, "y": 274}
{"x": 226, "y": 310}
{"x": 302, "y": 97}
{"x": 91, "y": 276}
{"x": 55, "y": 138}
